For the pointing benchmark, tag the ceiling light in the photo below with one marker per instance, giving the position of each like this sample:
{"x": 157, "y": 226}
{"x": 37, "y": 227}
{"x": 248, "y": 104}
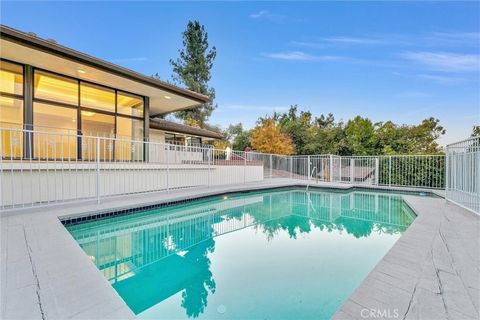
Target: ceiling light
{"x": 81, "y": 71}
{"x": 167, "y": 97}
{"x": 88, "y": 113}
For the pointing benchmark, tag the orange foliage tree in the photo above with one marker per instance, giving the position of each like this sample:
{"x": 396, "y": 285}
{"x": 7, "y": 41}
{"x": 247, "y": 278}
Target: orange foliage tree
{"x": 267, "y": 137}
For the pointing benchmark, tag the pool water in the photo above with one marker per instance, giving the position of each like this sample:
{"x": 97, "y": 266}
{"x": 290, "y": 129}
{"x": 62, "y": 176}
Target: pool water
{"x": 277, "y": 254}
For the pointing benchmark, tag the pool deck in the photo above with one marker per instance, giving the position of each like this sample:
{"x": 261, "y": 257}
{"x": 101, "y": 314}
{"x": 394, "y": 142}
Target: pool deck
{"x": 432, "y": 272}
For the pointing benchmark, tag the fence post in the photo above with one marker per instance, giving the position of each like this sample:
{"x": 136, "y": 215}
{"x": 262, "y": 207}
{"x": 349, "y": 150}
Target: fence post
{"x": 291, "y": 167}
{"x": 209, "y": 156}
{"x": 168, "y": 168}
{"x": 331, "y": 168}
{"x": 244, "y": 167}
{"x": 352, "y": 170}
{"x": 446, "y": 172}
{"x": 389, "y": 171}
{"x": 271, "y": 166}
{"x": 377, "y": 166}
{"x": 98, "y": 169}
{"x": 308, "y": 168}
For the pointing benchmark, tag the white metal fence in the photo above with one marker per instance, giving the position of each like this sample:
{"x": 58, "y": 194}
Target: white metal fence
{"x": 463, "y": 173}
{"x": 416, "y": 171}
{"x": 42, "y": 168}
{"x": 46, "y": 167}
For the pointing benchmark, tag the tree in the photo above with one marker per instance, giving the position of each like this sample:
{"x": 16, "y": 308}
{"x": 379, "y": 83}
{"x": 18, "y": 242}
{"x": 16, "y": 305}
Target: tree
{"x": 297, "y": 127}
{"x": 192, "y": 69}
{"x": 267, "y": 137}
{"x": 325, "y": 136}
{"x": 359, "y": 137}
{"x": 422, "y": 139}
{"x": 475, "y": 131}
{"x": 237, "y": 136}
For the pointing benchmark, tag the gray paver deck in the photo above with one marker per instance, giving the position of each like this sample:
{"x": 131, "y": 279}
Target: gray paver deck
{"x": 432, "y": 272}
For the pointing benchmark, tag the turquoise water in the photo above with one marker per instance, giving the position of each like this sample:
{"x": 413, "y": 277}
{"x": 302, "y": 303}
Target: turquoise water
{"x": 284, "y": 254}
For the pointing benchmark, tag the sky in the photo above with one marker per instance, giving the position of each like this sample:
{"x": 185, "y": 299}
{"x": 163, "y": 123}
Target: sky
{"x": 385, "y": 60}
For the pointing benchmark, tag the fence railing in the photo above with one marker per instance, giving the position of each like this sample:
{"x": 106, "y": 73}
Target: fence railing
{"x": 417, "y": 171}
{"x": 39, "y": 168}
{"x": 46, "y": 167}
{"x": 463, "y": 174}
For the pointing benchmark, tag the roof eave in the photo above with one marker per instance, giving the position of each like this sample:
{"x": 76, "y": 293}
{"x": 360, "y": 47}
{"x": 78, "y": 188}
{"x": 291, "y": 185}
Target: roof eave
{"x": 155, "y": 124}
{"x": 25, "y": 39}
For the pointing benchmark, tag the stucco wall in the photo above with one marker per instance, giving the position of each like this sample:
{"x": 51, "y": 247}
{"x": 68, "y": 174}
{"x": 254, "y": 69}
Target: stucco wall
{"x": 34, "y": 183}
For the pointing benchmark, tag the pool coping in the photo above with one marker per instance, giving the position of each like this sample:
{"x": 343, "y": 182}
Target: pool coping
{"x": 45, "y": 273}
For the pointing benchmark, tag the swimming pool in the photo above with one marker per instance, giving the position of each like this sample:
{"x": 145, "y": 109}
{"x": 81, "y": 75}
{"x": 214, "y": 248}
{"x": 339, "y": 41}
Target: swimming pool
{"x": 271, "y": 254}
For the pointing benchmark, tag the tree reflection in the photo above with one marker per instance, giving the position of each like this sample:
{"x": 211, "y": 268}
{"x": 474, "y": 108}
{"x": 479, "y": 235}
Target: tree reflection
{"x": 194, "y": 297}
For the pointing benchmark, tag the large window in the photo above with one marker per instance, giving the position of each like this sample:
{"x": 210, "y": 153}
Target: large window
{"x": 54, "y": 116}
{"x": 96, "y": 97}
{"x": 55, "y": 88}
{"x": 11, "y": 109}
{"x": 129, "y": 104}
{"x": 104, "y": 112}
{"x": 169, "y": 138}
{"x": 64, "y": 107}
{"x": 62, "y": 122}
{"x": 194, "y": 141}
{"x": 11, "y": 78}
{"x": 129, "y": 129}
{"x": 96, "y": 124}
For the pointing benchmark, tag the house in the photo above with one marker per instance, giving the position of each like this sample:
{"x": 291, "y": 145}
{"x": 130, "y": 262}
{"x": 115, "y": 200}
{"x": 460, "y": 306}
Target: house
{"x": 48, "y": 88}
{"x": 175, "y": 133}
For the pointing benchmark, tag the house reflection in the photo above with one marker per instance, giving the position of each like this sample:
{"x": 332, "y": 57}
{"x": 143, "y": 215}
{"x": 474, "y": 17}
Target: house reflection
{"x": 153, "y": 255}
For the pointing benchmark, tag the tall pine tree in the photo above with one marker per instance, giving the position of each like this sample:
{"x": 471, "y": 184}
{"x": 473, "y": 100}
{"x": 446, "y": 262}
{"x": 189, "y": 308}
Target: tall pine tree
{"x": 192, "y": 69}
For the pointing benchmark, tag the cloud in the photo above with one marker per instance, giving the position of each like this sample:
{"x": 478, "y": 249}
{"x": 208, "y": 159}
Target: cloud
{"x": 300, "y": 56}
{"x": 308, "y": 44}
{"x": 431, "y": 39}
{"x": 453, "y": 39}
{"x": 267, "y": 15}
{"x": 440, "y": 79}
{"x": 334, "y": 41}
{"x": 353, "y": 40}
{"x": 413, "y": 94}
{"x": 260, "y": 14}
{"x": 443, "y": 61}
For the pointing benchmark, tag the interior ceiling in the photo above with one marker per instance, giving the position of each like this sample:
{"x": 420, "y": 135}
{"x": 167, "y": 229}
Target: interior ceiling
{"x": 158, "y": 103}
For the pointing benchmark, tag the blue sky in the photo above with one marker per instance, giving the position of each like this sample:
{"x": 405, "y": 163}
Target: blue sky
{"x": 383, "y": 60}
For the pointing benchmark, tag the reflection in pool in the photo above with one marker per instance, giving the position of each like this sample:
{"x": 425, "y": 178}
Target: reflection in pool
{"x": 272, "y": 254}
